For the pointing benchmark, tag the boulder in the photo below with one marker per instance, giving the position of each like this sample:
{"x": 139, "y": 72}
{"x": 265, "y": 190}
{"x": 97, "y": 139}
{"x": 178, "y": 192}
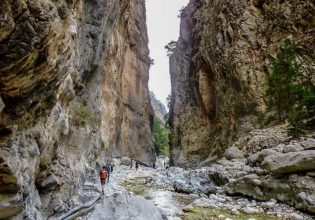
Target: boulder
{"x": 260, "y": 156}
{"x": 125, "y": 161}
{"x": 182, "y": 187}
{"x": 233, "y": 153}
{"x": 292, "y": 162}
{"x": 308, "y": 143}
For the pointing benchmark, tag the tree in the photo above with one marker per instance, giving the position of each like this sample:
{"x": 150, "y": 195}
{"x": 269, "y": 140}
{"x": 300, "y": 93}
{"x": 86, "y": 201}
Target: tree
{"x": 291, "y": 92}
{"x": 170, "y": 47}
{"x": 280, "y": 81}
{"x": 160, "y": 134}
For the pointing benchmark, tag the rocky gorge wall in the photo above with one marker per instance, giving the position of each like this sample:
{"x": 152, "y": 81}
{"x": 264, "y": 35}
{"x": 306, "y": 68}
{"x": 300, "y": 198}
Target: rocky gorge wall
{"x": 219, "y": 67}
{"x": 73, "y": 78}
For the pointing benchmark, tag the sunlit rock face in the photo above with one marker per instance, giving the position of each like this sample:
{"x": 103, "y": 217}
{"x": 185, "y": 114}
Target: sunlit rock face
{"x": 158, "y": 107}
{"x": 218, "y": 70}
{"x": 73, "y": 92}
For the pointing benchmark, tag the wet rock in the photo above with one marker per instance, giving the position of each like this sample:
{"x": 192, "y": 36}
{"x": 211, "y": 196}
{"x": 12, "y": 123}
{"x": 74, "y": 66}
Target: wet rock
{"x": 290, "y": 162}
{"x": 233, "y": 153}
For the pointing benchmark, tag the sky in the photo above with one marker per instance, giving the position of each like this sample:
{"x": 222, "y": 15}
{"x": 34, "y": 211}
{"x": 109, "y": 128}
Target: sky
{"x": 163, "y": 27}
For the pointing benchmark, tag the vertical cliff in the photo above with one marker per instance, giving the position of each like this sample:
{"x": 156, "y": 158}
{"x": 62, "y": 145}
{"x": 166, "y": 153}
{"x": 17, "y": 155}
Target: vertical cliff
{"x": 74, "y": 92}
{"x": 218, "y": 69}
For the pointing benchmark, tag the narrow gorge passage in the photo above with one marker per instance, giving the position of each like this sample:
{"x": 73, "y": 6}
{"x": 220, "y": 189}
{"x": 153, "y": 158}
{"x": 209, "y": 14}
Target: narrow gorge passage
{"x": 235, "y": 141}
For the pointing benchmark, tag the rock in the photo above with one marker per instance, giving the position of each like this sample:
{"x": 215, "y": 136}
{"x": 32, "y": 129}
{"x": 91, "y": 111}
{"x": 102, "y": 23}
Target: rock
{"x": 308, "y": 143}
{"x": 249, "y": 210}
{"x": 233, "y": 153}
{"x": 269, "y": 205}
{"x": 125, "y": 161}
{"x": 295, "y": 216}
{"x": 158, "y": 107}
{"x": 221, "y": 217}
{"x": 290, "y": 162}
{"x": 125, "y": 206}
{"x": 260, "y": 156}
{"x": 235, "y": 212}
{"x": 203, "y": 202}
{"x": 188, "y": 208}
{"x": 292, "y": 148}
{"x": 282, "y": 189}
{"x": 181, "y": 187}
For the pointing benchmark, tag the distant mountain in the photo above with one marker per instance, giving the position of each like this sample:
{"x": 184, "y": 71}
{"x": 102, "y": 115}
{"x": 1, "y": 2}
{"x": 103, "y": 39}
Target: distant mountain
{"x": 158, "y": 107}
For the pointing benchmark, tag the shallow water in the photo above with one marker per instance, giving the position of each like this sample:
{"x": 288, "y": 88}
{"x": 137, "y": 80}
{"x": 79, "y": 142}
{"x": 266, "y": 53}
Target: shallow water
{"x": 172, "y": 204}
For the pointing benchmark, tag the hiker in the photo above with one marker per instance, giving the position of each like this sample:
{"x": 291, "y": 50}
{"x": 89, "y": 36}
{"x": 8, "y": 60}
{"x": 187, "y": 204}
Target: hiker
{"x": 137, "y": 165}
{"x": 131, "y": 164}
{"x": 103, "y": 176}
{"x": 153, "y": 165}
{"x": 112, "y": 168}
{"x": 108, "y": 170}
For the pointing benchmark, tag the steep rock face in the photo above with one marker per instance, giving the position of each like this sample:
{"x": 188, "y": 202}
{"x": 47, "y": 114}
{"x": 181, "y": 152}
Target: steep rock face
{"x": 158, "y": 107}
{"x": 219, "y": 66}
{"x": 57, "y": 90}
{"x": 127, "y": 113}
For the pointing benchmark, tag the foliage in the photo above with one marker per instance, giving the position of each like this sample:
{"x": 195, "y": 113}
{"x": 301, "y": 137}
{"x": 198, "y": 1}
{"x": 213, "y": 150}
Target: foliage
{"x": 291, "y": 92}
{"x": 82, "y": 116}
{"x": 170, "y": 47}
{"x": 160, "y": 134}
{"x": 151, "y": 62}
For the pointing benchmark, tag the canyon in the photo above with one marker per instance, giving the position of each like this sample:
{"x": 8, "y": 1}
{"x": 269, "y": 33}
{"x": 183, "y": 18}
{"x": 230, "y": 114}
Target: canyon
{"x": 74, "y": 95}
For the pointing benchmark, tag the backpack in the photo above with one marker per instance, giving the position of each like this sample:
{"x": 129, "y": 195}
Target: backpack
{"x": 103, "y": 174}
{"x": 108, "y": 168}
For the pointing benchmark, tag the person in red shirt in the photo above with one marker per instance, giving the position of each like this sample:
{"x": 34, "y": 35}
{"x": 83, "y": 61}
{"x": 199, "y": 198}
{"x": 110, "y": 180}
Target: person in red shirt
{"x": 103, "y": 176}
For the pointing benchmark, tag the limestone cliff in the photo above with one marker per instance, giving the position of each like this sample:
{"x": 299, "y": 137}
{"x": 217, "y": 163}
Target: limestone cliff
{"x": 158, "y": 107}
{"x": 219, "y": 66}
{"x": 73, "y": 83}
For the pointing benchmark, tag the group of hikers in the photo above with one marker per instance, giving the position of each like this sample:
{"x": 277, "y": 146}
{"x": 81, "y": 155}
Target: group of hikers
{"x": 108, "y": 169}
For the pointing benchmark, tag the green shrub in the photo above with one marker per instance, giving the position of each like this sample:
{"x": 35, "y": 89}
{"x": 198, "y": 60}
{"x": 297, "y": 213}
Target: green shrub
{"x": 82, "y": 115}
{"x": 291, "y": 92}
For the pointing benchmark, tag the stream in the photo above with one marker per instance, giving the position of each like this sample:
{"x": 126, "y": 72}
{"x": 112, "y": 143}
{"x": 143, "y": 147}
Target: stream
{"x": 174, "y": 204}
